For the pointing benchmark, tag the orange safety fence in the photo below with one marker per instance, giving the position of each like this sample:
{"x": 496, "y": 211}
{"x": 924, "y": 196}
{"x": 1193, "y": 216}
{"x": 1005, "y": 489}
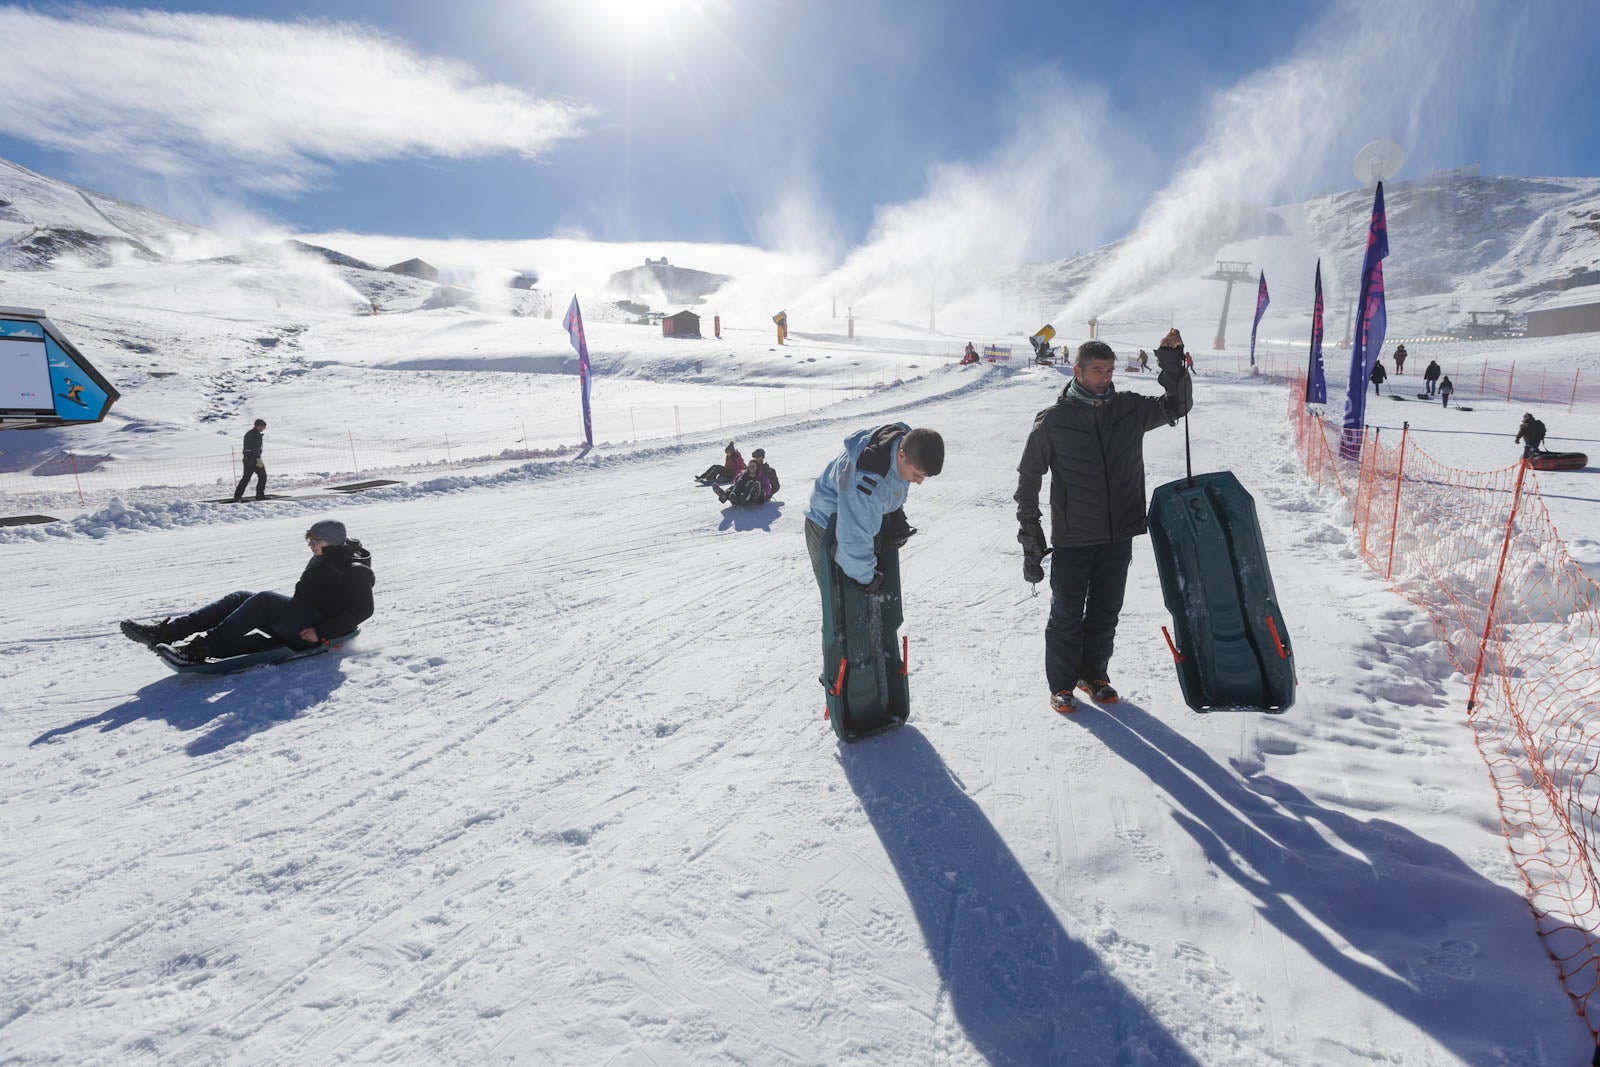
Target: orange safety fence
{"x": 1519, "y": 617}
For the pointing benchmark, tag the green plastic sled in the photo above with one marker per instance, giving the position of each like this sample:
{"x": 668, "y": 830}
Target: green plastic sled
{"x": 1229, "y": 638}
{"x": 864, "y": 658}
{"x": 276, "y": 654}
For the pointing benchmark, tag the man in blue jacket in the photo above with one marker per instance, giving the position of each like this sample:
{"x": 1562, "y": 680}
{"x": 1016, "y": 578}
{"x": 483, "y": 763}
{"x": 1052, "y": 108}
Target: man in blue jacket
{"x": 865, "y": 483}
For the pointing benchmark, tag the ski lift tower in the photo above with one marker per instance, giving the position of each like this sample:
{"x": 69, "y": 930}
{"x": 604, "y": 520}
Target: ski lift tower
{"x": 1229, "y": 271}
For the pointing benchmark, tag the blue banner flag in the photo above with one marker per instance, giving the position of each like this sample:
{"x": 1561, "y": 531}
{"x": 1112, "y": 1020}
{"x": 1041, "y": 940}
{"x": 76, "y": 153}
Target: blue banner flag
{"x": 574, "y": 324}
{"x": 1316, "y": 379}
{"x": 1262, "y": 300}
{"x": 1372, "y": 322}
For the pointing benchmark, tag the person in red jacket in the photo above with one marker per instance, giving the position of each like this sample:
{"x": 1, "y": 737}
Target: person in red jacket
{"x": 730, "y": 468}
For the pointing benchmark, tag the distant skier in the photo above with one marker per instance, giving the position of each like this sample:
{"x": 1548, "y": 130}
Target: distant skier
{"x": 1400, "y": 354}
{"x": 1379, "y": 376}
{"x": 332, "y": 597}
{"x": 1144, "y": 360}
{"x": 865, "y": 486}
{"x": 755, "y": 486}
{"x": 731, "y": 467}
{"x": 1446, "y": 387}
{"x": 1531, "y": 434}
{"x": 1430, "y": 376}
{"x": 1091, "y": 443}
{"x": 254, "y": 467}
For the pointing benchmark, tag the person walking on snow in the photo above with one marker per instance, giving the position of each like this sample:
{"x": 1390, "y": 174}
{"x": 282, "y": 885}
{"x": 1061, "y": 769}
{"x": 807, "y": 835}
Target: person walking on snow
{"x": 1531, "y": 434}
{"x": 1400, "y": 359}
{"x": 1091, "y": 443}
{"x": 863, "y": 491}
{"x": 332, "y": 597}
{"x": 253, "y": 466}
{"x": 1446, "y": 387}
{"x": 1430, "y": 376}
{"x": 1379, "y": 376}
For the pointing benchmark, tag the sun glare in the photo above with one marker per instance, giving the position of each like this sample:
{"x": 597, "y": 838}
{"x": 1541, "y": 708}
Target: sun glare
{"x": 634, "y": 16}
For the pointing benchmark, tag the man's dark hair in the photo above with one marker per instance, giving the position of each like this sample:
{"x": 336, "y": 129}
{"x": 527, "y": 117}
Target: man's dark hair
{"x": 1095, "y": 350}
{"x": 925, "y": 448}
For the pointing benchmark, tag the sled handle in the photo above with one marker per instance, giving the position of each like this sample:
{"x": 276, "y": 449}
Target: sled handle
{"x": 1177, "y": 657}
{"x": 905, "y": 655}
{"x": 838, "y": 683}
{"x": 1272, "y": 627}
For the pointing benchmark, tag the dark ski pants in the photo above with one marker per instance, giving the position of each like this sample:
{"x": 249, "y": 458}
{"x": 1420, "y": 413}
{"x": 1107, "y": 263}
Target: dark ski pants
{"x": 1087, "y": 584}
{"x": 228, "y": 622}
{"x": 1446, "y": 397}
{"x": 1431, "y": 383}
{"x": 259, "y": 473}
{"x": 1375, "y": 390}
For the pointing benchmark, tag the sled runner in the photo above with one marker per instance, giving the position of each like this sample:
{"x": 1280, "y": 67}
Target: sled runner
{"x": 1558, "y": 461}
{"x": 276, "y": 654}
{"x": 1229, "y": 638}
{"x": 864, "y": 657}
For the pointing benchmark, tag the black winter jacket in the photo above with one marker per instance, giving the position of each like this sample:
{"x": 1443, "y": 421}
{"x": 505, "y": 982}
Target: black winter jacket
{"x": 338, "y": 584}
{"x": 1095, "y": 457}
{"x": 252, "y": 447}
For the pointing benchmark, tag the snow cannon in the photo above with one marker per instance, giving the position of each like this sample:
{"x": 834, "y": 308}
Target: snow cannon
{"x": 1229, "y": 640}
{"x": 44, "y": 379}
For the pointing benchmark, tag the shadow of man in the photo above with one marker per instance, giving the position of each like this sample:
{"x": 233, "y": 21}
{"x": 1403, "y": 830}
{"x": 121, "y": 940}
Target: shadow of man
{"x": 743, "y": 517}
{"x": 239, "y": 705}
{"x": 1412, "y": 921}
{"x": 1023, "y": 990}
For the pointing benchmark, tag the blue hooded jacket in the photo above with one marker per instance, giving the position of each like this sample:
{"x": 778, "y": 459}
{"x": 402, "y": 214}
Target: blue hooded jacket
{"x": 861, "y": 486}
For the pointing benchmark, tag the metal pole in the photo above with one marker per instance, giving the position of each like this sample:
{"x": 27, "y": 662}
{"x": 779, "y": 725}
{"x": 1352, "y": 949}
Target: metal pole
{"x": 353, "y": 464}
{"x": 74, "y": 461}
{"x": 1494, "y": 597}
{"x": 634, "y": 423}
{"x": 1394, "y": 526}
{"x": 1574, "y": 399}
{"x": 1511, "y": 378}
{"x": 447, "y": 460}
{"x": 1222, "y": 324}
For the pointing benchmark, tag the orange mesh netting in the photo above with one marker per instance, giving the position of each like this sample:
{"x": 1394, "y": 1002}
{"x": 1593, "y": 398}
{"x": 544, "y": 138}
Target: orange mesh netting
{"x": 1477, "y": 551}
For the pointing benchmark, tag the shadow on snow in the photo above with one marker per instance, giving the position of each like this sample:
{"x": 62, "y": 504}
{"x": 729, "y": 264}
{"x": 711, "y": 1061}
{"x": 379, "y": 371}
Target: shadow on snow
{"x": 758, "y": 517}
{"x": 1399, "y": 918}
{"x": 1022, "y": 988}
{"x": 234, "y": 706}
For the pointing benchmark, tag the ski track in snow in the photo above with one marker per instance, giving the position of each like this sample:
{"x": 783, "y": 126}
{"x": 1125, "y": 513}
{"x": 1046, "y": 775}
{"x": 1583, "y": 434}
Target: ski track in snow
{"x": 570, "y": 798}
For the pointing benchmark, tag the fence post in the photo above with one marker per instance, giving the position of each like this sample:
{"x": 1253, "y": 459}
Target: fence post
{"x": 635, "y": 424}
{"x": 1394, "y": 527}
{"x": 75, "y": 481}
{"x": 1494, "y": 597}
{"x": 448, "y": 462}
{"x": 353, "y": 464}
{"x": 1511, "y": 378}
{"x": 677, "y": 423}
{"x": 1574, "y": 399}
{"x": 1365, "y": 483}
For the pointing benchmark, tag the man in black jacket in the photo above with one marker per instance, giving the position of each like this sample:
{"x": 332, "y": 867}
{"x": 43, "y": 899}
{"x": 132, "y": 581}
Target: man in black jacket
{"x": 253, "y": 466}
{"x": 1092, "y": 444}
{"x": 332, "y": 597}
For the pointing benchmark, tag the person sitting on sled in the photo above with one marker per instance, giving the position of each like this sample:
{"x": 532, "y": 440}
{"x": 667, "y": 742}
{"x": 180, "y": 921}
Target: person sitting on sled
{"x": 332, "y": 597}
{"x": 731, "y": 467}
{"x": 755, "y": 486}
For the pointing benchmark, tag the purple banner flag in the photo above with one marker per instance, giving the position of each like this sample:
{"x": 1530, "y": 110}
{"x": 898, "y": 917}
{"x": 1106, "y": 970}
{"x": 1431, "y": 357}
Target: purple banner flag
{"x": 1316, "y": 379}
{"x": 574, "y": 324}
{"x": 1262, "y": 300}
{"x": 1372, "y": 322}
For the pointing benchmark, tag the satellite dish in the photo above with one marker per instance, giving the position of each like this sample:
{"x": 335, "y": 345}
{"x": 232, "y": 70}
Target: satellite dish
{"x": 1378, "y": 162}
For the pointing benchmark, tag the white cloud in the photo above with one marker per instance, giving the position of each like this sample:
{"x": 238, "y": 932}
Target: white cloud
{"x": 268, "y": 104}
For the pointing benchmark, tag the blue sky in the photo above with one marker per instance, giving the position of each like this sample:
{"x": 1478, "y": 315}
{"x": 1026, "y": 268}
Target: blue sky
{"x": 730, "y": 121}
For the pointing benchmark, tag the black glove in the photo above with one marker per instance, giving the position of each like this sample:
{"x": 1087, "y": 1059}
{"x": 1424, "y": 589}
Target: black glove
{"x": 1170, "y": 359}
{"x": 1034, "y": 549}
{"x": 1032, "y": 570}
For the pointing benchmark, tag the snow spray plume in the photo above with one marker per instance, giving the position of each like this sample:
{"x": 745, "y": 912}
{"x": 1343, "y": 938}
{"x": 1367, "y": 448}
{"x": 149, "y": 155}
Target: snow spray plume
{"x": 1363, "y": 71}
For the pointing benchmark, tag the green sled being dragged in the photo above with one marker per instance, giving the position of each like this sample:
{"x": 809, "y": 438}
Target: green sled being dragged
{"x": 1229, "y": 637}
{"x": 864, "y": 659}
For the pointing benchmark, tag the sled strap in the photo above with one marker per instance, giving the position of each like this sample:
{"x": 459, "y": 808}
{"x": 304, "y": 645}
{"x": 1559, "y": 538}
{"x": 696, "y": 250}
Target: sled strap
{"x": 905, "y": 655}
{"x": 838, "y": 683}
{"x": 1177, "y": 657}
{"x": 1273, "y": 628}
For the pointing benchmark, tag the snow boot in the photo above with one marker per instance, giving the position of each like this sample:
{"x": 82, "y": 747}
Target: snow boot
{"x": 1099, "y": 690}
{"x": 1063, "y": 703}
{"x": 149, "y": 635}
{"x": 722, "y": 494}
{"x": 190, "y": 652}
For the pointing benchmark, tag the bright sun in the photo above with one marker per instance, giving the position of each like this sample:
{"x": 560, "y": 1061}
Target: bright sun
{"x": 625, "y": 16}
